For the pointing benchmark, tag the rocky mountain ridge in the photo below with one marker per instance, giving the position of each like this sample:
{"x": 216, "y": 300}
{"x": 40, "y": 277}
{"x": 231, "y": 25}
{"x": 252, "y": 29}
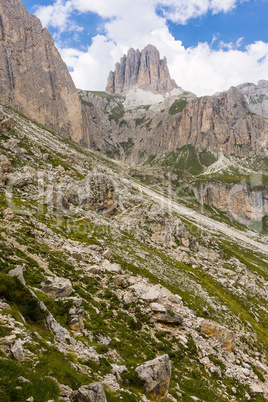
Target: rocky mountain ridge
{"x": 223, "y": 123}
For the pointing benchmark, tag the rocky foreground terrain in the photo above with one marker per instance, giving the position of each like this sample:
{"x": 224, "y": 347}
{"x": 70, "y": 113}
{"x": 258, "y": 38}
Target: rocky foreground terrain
{"x": 116, "y": 287}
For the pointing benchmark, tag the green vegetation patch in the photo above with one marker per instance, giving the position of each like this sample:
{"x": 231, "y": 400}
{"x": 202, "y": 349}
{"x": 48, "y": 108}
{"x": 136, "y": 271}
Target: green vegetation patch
{"x": 17, "y": 295}
{"x": 185, "y": 158}
{"x": 117, "y": 113}
{"x": 178, "y": 106}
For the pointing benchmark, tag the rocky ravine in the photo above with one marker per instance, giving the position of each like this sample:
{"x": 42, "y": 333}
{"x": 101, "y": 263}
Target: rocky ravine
{"x": 137, "y": 304}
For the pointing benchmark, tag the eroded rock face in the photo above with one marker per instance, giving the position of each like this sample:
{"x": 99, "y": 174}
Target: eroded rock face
{"x": 243, "y": 204}
{"x": 257, "y": 96}
{"x": 5, "y": 169}
{"x": 144, "y": 69}
{"x": 156, "y": 376}
{"x": 33, "y": 77}
{"x": 57, "y": 287}
{"x": 220, "y": 122}
{"x": 89, "y": 393}
{"x": 216, "y": 331}
{"x": 95, "y": 192}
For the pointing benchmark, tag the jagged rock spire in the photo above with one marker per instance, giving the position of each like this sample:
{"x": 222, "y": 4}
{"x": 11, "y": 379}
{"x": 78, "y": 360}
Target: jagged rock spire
{"x": 144, "y": 69}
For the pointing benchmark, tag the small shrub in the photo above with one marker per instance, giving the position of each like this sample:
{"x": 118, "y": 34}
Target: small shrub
{"x": 12, "y": 290}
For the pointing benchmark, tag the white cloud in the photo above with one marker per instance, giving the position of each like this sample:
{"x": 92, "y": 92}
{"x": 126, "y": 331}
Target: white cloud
{"x": 201, "y": 69}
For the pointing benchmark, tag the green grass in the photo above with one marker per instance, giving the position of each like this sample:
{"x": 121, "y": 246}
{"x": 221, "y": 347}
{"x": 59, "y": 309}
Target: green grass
{"x": 177, "y": 106}
{"x": 117, "y": 113}
{"x": 17, "y": 295}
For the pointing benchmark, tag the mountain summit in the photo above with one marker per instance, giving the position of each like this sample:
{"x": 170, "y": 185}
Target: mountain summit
{"x": 143, "y": 69}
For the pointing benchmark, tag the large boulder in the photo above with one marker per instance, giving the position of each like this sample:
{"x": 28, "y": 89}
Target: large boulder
{"x": 57, "y": 287}
{"x": 18, "y": 271}
{"x": 5, "y": 165}
{"x": 5, "y": 168}
{"x": 95, "y": 192}
{"x": 89, "y": 393}
{"x": 22, "y": 179}
{"x": 218, "y": 332}
{"x": 156, "y": 376}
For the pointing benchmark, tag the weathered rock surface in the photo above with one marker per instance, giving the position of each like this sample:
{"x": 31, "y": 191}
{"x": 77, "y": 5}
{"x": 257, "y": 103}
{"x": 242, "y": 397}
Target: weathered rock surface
{"x": 222, "y": 334}
{"x": 257, "y": 96}
{"x": 89, "y": 393}
{"x": 76, "y": 313}
{"x": 96, "y": 193}
{"x": 144, "y": 69}
{"x": 33, "y": 77}
{"x": 5, "y": 169}
{"x": 219, "y": 123}
{"x": 57, "y": 287}
{"x": 156, "y": 376}
{"x": 242, "y": 203}
{"x": 17, "y": 351}
{"x": 18, "y": 271}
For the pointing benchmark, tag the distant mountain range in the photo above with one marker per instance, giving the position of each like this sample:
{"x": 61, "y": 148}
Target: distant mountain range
{"x": 143, "y": 107}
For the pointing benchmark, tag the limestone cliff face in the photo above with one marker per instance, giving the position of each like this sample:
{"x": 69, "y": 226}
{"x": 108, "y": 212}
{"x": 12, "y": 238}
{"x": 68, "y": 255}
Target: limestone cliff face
{"x": 144, "y": 69}
{"x": 218, "y": 123}
{"x": 242, "y": 203}
{"x": 221, "y": 122}
{"x": 33, "y": 77}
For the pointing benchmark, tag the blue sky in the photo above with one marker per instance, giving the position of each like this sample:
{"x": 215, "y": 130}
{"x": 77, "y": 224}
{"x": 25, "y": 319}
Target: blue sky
{"x": 210, "y": 44}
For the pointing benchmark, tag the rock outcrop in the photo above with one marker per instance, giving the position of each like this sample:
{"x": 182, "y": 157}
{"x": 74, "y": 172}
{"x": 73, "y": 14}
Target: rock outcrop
{"x": 156, "y": 376}
{"x": 239, "y": 201}
{"x": 95, "y": 192}
{"x": 33, "y": 77}
{"x": 223, "y": 122}
{"x": 57, "y": 287}
{"x": 89, "y": 393}
{"x": 220, "y": 122}
{"x": 257, "y": 96}
{"x": 144, "y": 69}
{"x": 218, "y": 332}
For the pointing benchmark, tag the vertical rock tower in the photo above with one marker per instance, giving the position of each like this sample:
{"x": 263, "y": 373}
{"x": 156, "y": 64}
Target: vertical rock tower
{"x": 33, "y": 77}
{"x": 143, "y": 69}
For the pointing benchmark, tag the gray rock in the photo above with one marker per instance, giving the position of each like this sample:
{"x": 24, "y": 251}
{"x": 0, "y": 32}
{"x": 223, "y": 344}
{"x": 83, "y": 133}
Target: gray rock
{"x": 158, "y": 308}
{"x": 5, "y": 165}
{"x": 19, "y": 273}
{"x": 95, "y": 192}
{"x": 89, "y": 393}
{"x": 156, "y": 376}
{"x": 17, "y": 351}
{"x": 23, "y": 380}
{"x": 57, "y": 287}
{"x": 107, "y": 254}
{"x": 169, "y": 319}
{"x": 257, "y": 96}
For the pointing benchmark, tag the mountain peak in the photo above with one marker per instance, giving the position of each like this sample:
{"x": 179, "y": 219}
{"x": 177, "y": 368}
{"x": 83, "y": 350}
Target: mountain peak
{"x": 143, "y": 69}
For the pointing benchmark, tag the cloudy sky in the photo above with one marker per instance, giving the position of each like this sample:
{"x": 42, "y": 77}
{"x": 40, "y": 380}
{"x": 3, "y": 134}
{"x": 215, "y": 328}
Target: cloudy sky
{"x": 210, "y": 44}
